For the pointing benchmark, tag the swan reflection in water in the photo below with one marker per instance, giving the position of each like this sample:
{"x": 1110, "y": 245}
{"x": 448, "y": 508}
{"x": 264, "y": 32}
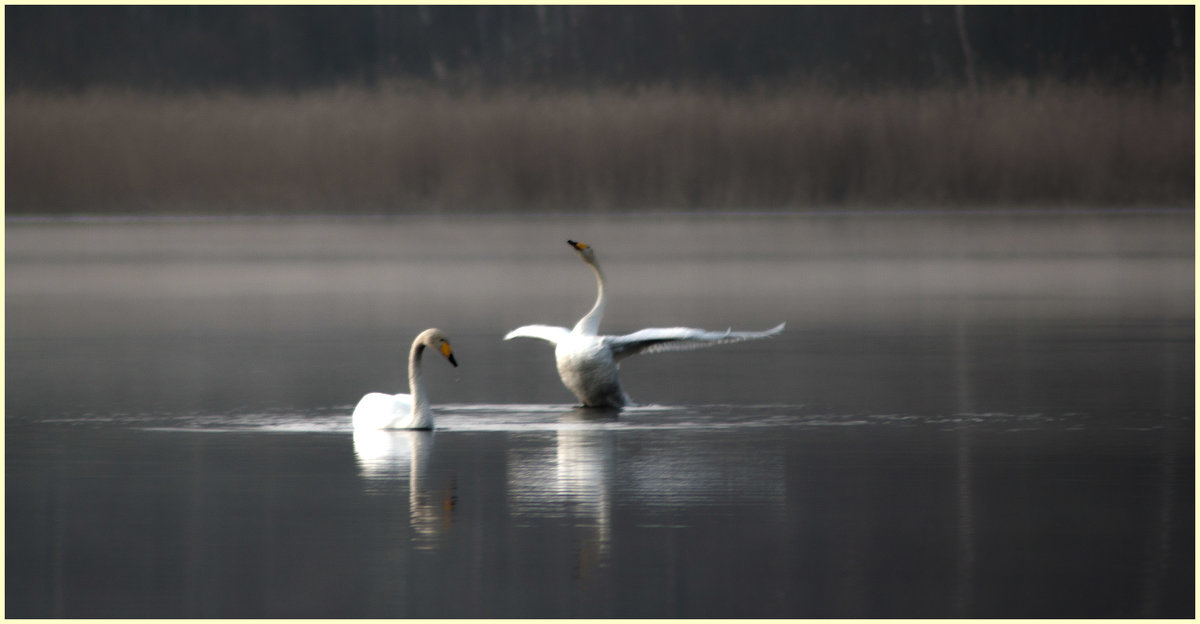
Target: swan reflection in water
{"x": 570, "y": 478}
{"x": 387, "y": 457}
{"x": 579, "y": 472}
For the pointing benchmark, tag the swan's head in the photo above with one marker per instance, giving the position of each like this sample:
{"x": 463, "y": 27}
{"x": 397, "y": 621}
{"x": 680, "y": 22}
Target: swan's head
{"x": 585, "y": 251}
{"x": 436, "y": 340}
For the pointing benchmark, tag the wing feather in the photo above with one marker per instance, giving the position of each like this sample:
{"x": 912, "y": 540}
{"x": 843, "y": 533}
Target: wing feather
{"x": 661, "y": 339}
{"x": 549, "y": 333}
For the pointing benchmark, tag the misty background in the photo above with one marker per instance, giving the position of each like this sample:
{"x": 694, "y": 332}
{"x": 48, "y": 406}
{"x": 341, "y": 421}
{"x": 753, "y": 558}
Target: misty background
{"x": 416, "y": 109}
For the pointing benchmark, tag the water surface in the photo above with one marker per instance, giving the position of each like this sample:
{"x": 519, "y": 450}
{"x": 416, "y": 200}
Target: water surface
{"x": 971, "y": 416}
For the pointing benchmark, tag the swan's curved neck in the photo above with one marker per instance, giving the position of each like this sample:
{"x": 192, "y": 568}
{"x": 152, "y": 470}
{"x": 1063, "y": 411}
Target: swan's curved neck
{"x": 590, "y": 323}
{"x": 419, "y": 405}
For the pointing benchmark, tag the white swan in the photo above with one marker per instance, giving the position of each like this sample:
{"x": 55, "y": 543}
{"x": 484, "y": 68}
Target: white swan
{"x": 404, "y": 411}
{"x": 587, "y": 362}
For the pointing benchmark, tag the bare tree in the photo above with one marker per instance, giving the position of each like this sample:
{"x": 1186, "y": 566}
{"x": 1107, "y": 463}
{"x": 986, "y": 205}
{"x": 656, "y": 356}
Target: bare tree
{"x": 968, "y": 56}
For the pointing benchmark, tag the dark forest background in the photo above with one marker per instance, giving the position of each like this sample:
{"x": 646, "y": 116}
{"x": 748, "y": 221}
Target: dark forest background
{"x": 402, "y": 109}
{"x": 179, "y": 47}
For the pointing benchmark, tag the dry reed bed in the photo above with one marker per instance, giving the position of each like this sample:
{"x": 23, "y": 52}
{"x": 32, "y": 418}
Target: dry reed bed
{"x": 359, "y": 151}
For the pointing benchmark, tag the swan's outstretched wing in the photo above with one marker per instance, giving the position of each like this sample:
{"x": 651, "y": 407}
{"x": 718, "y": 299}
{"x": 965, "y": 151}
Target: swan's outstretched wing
{"x": 549, "y": 333}
{"x": 659, "y": 339}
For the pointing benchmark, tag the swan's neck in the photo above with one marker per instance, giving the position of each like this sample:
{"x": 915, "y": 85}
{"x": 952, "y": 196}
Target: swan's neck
{"x": 590, "y": 323}
{"x": 420, "y": 408}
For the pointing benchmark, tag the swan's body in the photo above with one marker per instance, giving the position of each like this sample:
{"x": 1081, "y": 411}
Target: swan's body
{"x": 404, "y": 411}
{"x": 587, "y": 361}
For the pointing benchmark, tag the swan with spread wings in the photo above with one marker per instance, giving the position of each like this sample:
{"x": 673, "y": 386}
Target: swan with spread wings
{"x": 587, "y": 361}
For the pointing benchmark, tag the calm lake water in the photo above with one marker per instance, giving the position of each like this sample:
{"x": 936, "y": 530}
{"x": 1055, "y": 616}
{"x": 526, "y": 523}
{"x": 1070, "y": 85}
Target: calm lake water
{"x": 967, "y": 416}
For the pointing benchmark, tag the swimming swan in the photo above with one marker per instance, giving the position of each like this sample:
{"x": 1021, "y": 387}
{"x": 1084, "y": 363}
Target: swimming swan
{"x": 587, "y": 362}
{"x": 404, "y": 411}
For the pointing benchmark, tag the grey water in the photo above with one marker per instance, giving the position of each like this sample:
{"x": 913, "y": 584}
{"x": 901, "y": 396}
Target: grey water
{"x": 968, "y": 415}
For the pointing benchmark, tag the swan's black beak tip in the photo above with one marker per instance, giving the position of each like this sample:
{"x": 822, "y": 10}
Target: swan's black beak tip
{"x": 573, "y": 243}
{"x": 453, "y": 362}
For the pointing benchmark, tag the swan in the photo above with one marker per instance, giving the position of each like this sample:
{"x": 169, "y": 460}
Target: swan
{"x": 587, "y": 361}
{"x": 377, "y": 410}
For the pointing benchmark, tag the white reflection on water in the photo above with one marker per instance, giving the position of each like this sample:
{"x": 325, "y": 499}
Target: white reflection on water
{"x": 577, "y": 472}
{"x": 570, "y": 478}
{"x": 565, "y": 463}
{"x": 386, "y": 458}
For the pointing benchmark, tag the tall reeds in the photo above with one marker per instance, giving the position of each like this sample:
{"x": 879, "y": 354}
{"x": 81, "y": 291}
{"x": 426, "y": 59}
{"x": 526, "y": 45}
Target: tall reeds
{"x": 353, "y": 151}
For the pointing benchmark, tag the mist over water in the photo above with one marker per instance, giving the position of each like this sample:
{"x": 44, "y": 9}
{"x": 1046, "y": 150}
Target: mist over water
{"x": 972, "y": 415}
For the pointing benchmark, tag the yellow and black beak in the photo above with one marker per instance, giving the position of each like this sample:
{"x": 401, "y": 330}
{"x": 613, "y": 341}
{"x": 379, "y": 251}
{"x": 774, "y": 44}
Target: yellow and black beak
{"x": 577, "y": 245}
{"x": 448, "y": 353}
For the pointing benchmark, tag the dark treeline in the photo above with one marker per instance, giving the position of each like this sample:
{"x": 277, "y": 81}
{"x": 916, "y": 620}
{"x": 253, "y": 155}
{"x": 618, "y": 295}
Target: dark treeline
{"x": 843, "y": 47}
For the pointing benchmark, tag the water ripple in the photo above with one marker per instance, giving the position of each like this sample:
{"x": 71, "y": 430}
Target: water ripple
{"x": 536, "y": 418}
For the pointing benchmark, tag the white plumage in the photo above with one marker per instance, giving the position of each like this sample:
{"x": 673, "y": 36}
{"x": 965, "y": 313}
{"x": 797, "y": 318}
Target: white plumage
{"x": 377, "y": 410}
{"x": 587, "y": 362}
